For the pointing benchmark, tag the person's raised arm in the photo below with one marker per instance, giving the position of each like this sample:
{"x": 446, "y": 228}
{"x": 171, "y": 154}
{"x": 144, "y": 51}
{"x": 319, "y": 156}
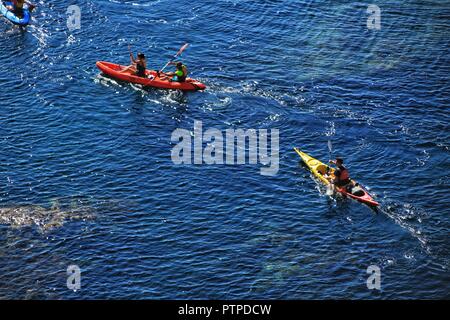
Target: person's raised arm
{"x": 31, "y": 6}
{"x": 132, "y": 58}
{"x": 131, "y": 55}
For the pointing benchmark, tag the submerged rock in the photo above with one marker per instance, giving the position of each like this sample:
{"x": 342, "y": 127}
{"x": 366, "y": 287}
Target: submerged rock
{"x": 43, "y": 218}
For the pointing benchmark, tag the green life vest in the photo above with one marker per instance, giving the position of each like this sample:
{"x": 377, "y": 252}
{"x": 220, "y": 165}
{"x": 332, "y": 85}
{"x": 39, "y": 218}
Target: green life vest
{"x": 181, "y": 74}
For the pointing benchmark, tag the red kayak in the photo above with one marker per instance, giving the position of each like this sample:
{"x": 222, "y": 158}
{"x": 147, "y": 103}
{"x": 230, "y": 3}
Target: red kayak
{"x": 151, "y": 80}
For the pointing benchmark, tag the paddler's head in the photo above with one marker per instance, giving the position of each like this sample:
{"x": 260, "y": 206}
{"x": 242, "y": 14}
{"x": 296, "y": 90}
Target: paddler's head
{"x": 141, "y": 56}
{"x": 339, "y": 161}
{"x": 179, "y": 65}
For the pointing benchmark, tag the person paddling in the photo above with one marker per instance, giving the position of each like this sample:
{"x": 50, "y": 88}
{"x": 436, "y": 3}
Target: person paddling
{"x": 341, "y": 174}
{"x": 17, "y": 7}
{"x": 138, "y": 66}
{"x": 179, "y": 75}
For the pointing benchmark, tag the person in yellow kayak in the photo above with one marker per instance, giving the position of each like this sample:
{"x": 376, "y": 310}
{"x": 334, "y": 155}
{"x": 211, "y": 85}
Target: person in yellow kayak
{"x": 179, "y": 75}
{"x": 341, "y": 174}
{"x": 17, "y": 7}
{"x": 138, "y": 66}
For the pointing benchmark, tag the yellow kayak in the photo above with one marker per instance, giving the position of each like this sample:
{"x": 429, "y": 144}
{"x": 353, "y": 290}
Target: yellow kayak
{"x": 325, "y": 173}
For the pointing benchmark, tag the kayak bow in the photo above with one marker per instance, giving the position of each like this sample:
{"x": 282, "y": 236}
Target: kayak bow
{"x": 151, "y": 80}
{"x": 321, "y": 170}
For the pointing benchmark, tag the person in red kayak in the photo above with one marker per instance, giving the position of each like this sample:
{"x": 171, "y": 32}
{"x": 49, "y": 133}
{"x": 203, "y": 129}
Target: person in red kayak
{"x": 341, "y": 174}
{"x": 17, "y": 7}
{"x": 179, "y": 75}
{"x": 138, "y": 66}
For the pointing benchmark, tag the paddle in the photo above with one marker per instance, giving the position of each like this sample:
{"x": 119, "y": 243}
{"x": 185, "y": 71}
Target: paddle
{"x": 330, "y": 188}
{"x": 129, "y": 49}
{"x": 176, "y": 55}
{"x": 330, "y": 148}
{"x": 31, "y": 6}
{"x": 131, "y": 60}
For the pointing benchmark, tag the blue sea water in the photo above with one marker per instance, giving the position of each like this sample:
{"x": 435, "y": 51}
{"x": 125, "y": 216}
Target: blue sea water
{"x": 86, "y": 176}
